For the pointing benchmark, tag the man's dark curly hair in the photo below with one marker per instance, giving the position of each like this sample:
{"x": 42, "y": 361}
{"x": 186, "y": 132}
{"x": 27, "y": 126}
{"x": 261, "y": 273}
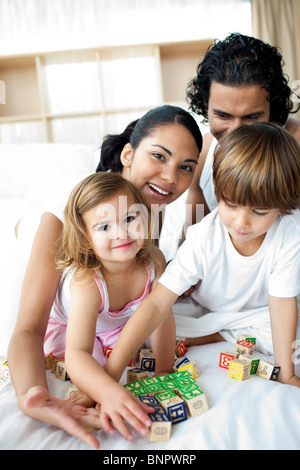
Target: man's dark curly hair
{"x": 240, "y": 61}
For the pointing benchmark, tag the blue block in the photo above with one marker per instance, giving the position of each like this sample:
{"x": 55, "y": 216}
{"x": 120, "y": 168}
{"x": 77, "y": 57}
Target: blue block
{"x": 177, "y": 413}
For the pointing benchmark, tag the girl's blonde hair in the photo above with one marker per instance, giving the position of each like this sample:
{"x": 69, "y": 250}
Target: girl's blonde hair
{"x": 258, "y": 165}
{"x": 93, "y": 190}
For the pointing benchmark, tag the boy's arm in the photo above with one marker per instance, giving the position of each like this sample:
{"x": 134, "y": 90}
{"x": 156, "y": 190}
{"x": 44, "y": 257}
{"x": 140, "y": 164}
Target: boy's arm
{"x": 284, "y": 316}
{"x": 163, "y": 338}
{"x": 152, "y": 311}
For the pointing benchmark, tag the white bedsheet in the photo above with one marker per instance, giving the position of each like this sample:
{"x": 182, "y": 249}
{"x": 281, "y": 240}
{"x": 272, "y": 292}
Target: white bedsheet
{"x": 249, "y": 415}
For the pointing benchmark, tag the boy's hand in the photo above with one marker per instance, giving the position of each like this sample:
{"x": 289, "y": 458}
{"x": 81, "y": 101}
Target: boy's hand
{"x": 39, "y": 404}
{"x": 117, "y": 406}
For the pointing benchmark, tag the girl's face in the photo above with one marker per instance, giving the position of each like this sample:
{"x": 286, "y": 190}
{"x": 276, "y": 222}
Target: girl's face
{"x": 247, "y": 226}
{"x": 163, "y": 164}
{"x": 115, "y": 229}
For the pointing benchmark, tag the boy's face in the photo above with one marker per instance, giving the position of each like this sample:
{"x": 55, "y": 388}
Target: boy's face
{"x": 230, "y": 107}
{"x": 247, "y": 226}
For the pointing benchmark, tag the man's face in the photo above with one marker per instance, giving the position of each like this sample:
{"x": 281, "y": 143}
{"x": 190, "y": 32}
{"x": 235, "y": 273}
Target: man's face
{"x": 230, "y": 107}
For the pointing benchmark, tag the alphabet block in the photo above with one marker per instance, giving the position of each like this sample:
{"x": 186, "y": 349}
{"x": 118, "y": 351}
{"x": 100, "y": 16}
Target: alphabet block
{"x": 147, "y": 360}
{"x": 174, "y": 406}
{"x": 195, "y": 402}
{"x": 136, "y": 374}
{"x": 239, "y": 370}
{"x": 48, "y": 361}
{"x": 267, "y": 370}
{"x": 253, "y": 361}
{"x": 71, "y": 390}
{"x": 244, "y": 347}
{"x": 160, "y": 429}
{"x": 4, "y": 370}
{"x": 226, "y": 357}
{"x": 187, "y": 365}
{"x": 61, "y": 371}
{"x": 54, "y": 363}
{"x": 240, "y": 337}
{"x": 181, "y": 349}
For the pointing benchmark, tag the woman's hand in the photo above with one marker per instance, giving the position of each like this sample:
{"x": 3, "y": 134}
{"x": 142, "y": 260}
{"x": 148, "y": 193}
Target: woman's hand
{"x": 39, "y": 404}
{"x": 117, "y": 406}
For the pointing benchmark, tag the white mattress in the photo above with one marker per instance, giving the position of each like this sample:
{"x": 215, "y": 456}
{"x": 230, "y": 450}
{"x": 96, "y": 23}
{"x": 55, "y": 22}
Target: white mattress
{"x": 253, "y": 414}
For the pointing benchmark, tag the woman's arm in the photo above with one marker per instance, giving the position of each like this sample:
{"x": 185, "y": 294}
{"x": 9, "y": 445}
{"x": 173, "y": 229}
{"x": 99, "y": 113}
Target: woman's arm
{"x": 26, "y": 353}
{"x": 284, "y": 316}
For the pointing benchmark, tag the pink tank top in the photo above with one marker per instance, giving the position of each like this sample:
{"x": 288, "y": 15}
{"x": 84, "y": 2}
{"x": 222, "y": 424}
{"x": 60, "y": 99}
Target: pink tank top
{"x": 114, "y": 320}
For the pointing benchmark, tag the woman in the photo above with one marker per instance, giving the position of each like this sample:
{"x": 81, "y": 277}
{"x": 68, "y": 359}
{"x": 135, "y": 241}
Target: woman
{"x": 158, "y": 154}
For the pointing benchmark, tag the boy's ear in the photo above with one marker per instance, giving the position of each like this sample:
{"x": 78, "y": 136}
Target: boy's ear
{"x": 126, "y": 156}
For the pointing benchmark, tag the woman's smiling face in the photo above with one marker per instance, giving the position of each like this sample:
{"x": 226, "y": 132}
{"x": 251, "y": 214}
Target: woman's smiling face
{"x": 162, "y": 166}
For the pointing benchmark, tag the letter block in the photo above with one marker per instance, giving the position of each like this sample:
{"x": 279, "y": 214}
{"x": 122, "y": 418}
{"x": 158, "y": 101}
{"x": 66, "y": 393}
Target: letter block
{"x": 4, "y": 370}
{"x": 244, "y": 347}
{"x": 160, "y": 429}
{"x": 187, "y": 365}
{"x": 136, "y": 374}
{"x": 174, "y": 406}
{"x": 239, "y": 370}
{"x": 227, "y": 356}
{"x": 267, "y": 370}
{"x": 240, "y": 337}
{"x": 195, "y": 402}
{"x": 147, "y": 360}
{"x": 61, "y": 371}
{"x": 71, "y": 390}
{"x": 181, "y": 349}
{"x": 253, "y": 361}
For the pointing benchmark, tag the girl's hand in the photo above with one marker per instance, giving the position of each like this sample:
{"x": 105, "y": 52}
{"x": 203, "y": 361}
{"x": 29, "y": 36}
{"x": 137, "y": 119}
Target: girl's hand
{"x": 119, "y": 405}
{"x": 39, "y": 404}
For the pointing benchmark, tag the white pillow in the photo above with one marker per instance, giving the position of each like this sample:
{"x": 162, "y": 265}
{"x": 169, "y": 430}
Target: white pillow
{"x": 32, "y": 170}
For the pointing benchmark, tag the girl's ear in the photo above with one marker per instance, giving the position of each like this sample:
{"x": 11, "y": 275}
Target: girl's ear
{"x": 127, "y": 156}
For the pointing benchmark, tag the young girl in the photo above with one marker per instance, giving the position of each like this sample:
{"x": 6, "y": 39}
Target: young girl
{"x": 110, "y": 266}
{"x": 158, "y": 154}
{"x": 244, "y": 257}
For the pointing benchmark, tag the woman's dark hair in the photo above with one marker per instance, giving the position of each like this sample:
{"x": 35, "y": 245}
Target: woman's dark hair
{"x": 240, "y": 61}
{"x": 138, "y": 130}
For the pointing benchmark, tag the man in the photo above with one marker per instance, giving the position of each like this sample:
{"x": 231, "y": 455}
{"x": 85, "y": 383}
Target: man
{"x": 239, "y": 81}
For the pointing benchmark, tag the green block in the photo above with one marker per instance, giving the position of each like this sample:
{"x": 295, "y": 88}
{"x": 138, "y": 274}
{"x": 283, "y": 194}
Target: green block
{"x": 133, "y": 385}
{"x": 165, "y": 395}
{"x": 149, "y": 381}
{"x": 166, "y": 378}
{"x": 137, "y": 392}
{"x": 254, "y": 366}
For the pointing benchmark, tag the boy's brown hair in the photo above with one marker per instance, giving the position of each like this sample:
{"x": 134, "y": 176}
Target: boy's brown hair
{"x": 258, "y": 165}
{"x": 93, "y": 190}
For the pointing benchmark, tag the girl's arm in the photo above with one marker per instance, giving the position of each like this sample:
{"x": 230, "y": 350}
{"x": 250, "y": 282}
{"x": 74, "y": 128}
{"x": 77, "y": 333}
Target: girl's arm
{"x": 117, "y": 404}
{"x": 152, "y": 311}
{"x": 26, "y": 353}
{"x": 284, "y": 316}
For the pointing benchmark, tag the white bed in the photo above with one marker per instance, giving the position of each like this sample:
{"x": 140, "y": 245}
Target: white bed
{"x": 252, "y": 414}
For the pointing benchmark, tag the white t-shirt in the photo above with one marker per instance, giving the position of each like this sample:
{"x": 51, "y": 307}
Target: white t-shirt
{"x": 230, "y": 282}
{"x": 206, "y": 182}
